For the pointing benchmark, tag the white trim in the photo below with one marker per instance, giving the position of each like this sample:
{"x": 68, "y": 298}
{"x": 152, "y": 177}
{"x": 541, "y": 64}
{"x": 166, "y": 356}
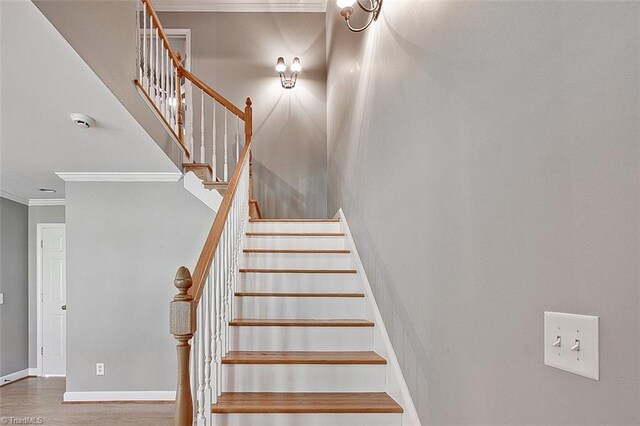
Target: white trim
{"x": 46, "y": 202}
{"x": 13, "y": 197}
{"x": 9, "y": 378}
{"x": 39, "y": 228}
{"x": 239, "y": 6}
{"x": 33, "y": 372}
{"x": 397, "y": 386}
{"x": 98, "y": 396}
{"x": 119, "y": 177}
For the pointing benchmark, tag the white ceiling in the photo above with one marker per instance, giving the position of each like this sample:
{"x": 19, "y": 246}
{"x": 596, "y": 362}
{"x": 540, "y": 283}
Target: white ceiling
{"x": 240, "y": 5}
{"x": 43, "y": 80}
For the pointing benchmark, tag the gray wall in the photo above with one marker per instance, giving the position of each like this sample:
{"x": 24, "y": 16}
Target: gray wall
{"x": 236, "y": 53}
{"x": 14, "y": 321}
{"x": 108, "y": 46}
{"x": 37, "y": 214}
{"x": 486, "y": 156}
{"x": 125, "y": 242}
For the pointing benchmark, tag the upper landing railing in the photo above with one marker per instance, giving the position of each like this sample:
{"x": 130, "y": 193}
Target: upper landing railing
{"x": 208, "y": 128}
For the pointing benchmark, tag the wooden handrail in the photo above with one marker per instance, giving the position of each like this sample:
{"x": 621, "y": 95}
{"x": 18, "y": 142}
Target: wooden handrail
{"x": 200, "y": 273}
{"x": 163, "y": 36}
{"x": 209, "y": 91}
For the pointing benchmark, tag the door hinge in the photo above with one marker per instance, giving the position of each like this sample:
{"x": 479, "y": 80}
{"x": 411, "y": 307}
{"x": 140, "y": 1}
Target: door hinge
{"x": 41, "y": 244}
{"x": 41, "y": 351}
{"x": 42, "y": 297}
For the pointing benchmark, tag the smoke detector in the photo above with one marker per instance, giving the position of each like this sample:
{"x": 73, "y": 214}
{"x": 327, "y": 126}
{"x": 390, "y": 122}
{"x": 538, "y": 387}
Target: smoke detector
{"x": 83, "y": 120}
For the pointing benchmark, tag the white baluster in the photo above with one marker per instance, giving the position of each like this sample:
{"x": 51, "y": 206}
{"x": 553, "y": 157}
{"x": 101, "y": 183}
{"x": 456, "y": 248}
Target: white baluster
{"x": 153, "y": 53}
{"x": 201, "y": 362}
{"x": 213, "y": 135}
{"x": 193, "y": 160}
{"x": 167, "y": 106}
{"x": 237, "y": 139}
{"x": 165, "y": 79}
{"x": 226, "y": 163}
{"x": 207, "y": 349}
{"x": 218, "y": 296}
{"x": 172, "y": 98}
{"x": 141, "y": 60}
{"x": 156, "y": 74}
{"x": 193, "y": 372}
{"x": 144, "y": 48}
{"x": 202, "y": 159}
{"x": 228, "y": 283}
{"x": 212, "y": 325}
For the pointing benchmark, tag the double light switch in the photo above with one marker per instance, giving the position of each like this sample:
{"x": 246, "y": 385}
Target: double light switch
{"x": 571, "y": 343}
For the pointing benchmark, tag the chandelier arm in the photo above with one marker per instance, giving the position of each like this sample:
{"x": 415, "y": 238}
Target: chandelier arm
{"x": 373, "y": 3}
{"x": 359, "y": 30}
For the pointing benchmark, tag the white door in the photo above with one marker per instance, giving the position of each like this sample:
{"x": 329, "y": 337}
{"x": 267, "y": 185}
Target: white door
{"x": 53, "y": 298}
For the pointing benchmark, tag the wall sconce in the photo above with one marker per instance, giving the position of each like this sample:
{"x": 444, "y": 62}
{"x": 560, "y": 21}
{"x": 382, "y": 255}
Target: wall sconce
{"x": 288, "y": 83}
{"x": 347, "y": 10}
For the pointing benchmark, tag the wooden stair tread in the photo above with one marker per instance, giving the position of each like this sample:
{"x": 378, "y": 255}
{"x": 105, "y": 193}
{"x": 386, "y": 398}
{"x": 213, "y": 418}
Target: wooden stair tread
{"x": 295, "y": 234}
{"x": 216, "y": 182}
{"x": 306, "y": 402}
{"x": 281, "y": 294}
{"x": 298, "y": 271}
{"x": 259, "y": 322}
{"x": 250, "y": 357}
{"x": 297, "y": 251}
{"x": 197, "y": 166}
{"x": 294, "y": 220}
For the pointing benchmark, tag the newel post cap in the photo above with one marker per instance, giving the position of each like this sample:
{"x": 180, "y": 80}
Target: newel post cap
{"x": 183, "y": 283}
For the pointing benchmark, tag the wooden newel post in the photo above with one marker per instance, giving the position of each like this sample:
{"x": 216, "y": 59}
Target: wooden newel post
{"x": 248, "y": 131}
{"x": 182, "y": 324}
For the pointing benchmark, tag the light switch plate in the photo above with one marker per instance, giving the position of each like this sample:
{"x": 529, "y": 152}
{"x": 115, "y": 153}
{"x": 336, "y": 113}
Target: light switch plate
{"x": 1, "y": 298}
{"x": 571, "y": 329}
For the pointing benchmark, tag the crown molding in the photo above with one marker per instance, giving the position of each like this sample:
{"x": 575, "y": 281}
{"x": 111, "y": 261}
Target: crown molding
{"x": 240, "y": 6}
{"x": 119, "y": 177}
{"x": 13, "y": 197}
{"x": 41, "y": 202}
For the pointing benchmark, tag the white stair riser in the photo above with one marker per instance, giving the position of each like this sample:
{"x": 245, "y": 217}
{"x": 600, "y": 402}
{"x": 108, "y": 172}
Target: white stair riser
{"x": 300, "y": 283}
{"x": 349, "y": 419}
{"x": 300, "y": 307}
{"x": 303, "y": 378}
{"x": 297, "y": 261}
{"x": 280, "y": 242}
{"x": 294, "y": 227}
{"x": 261, "y": 338}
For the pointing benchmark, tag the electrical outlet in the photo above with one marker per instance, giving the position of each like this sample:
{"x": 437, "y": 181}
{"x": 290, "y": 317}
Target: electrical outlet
{"x": 100, "y": 369}
{"x": 1, "y": 298}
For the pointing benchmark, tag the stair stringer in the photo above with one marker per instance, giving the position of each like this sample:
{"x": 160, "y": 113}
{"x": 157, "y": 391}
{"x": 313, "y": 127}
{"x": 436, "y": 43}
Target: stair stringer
{"x": 396, "y": 386}
{"x": 195, "y": 186}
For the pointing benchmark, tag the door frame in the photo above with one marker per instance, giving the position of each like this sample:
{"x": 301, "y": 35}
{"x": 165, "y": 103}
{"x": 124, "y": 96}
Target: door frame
{"x": 39, "y": 228}
{"x": 186, "y": 33}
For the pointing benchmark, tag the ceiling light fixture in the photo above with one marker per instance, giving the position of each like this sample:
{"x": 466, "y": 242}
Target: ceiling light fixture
{"x": 51, "y": 191}
{"x": 83, "y": 120}
{"x": 346, "y": 10}
{"x": 288, "y": 83}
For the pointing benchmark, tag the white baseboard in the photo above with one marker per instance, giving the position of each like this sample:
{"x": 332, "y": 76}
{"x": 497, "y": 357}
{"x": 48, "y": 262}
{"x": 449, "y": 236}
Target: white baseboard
{"x": 101, "y": 396}
{"x": 5, "y": 380}
{"x": 396, "y": 386}
{"x": 34, "y": 372}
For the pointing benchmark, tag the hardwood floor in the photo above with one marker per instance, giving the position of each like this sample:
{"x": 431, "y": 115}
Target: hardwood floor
{"x": 42, "y": 397}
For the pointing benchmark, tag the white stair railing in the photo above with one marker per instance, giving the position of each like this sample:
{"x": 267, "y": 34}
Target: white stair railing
{"x": 170, "y": 90}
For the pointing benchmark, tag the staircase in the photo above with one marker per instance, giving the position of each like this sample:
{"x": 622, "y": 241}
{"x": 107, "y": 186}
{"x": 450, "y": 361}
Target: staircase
{"x": 273, "y": 327}
{"x": 300, "y": 349}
